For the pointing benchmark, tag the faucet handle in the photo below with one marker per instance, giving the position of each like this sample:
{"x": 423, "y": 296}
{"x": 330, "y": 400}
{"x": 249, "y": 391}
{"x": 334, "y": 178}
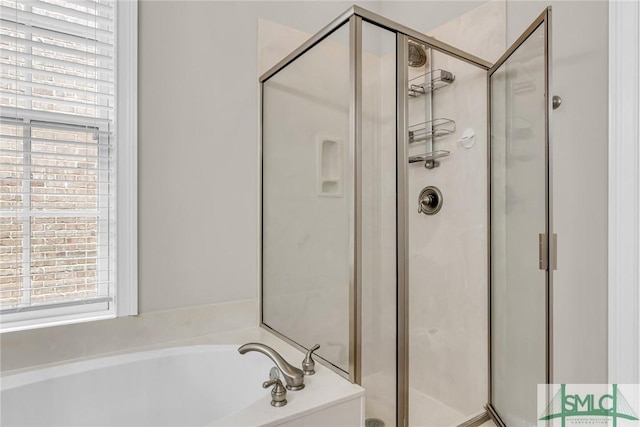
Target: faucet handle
{"x": 278, "y": 393}
{"x": 308, "y": 364}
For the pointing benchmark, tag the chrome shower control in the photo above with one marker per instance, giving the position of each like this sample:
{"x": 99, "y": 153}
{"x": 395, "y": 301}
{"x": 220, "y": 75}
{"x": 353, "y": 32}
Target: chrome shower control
{"x": 430, "y": 201}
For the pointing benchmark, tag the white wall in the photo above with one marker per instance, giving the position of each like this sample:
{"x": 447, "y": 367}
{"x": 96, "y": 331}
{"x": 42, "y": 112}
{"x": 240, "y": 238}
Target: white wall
{"x": 579, "y": 138}
{"x": 624, "y": 192}
{"x": 198, "y": 139}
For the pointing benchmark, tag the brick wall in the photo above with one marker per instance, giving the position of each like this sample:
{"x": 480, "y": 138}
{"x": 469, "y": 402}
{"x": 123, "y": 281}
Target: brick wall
{"x": 63, "y": 252}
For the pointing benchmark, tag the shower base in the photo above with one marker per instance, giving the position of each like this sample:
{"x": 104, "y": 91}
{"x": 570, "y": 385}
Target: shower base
{"x": 425, "y": 411}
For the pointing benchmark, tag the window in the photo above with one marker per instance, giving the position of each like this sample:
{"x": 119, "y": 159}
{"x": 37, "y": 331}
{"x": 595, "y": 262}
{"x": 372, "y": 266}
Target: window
{"x": 67, "y": 161}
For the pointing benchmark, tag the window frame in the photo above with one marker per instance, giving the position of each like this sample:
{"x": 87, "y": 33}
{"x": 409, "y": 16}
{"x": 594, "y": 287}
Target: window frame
{"x": 125, "y": 260}
{"x": 126, "y": 179}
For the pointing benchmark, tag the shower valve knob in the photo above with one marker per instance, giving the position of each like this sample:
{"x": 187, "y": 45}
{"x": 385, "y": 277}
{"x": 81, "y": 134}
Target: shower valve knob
{"x": 427, "y": 202}
{"x": 430, "y": 201}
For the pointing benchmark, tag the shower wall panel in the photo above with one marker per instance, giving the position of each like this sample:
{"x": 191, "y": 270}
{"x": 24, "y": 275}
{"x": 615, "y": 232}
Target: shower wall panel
{"x": 448, "y": 261}
{"x": 448, "y": 251}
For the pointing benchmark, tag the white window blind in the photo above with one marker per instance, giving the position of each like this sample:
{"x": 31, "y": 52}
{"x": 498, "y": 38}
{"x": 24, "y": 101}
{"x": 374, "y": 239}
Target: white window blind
{"x": 57, "y": 158}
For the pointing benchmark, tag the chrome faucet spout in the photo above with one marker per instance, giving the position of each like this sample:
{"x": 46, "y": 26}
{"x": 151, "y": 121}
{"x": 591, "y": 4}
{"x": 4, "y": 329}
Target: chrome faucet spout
{"x": 293, "y": 376}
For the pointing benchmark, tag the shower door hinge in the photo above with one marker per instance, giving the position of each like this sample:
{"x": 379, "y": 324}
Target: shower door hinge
{"x": 547, "y": 254}
{"x": 553, "y": 256}
{"x": 543, "y": 251}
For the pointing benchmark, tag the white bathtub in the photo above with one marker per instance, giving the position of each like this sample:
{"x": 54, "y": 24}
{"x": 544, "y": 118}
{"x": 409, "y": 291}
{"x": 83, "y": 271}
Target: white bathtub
{"x": 183, "y": 386}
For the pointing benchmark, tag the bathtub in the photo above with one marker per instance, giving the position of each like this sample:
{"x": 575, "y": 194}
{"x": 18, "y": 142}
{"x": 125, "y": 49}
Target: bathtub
{"x": 195, "y": 385}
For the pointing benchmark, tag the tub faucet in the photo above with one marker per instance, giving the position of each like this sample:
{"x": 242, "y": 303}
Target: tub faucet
{"x": 293, "y": 376}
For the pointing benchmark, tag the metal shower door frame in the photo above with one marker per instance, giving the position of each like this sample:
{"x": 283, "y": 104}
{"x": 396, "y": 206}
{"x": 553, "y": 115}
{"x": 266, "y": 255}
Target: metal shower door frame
{"x": 549, "y": 240}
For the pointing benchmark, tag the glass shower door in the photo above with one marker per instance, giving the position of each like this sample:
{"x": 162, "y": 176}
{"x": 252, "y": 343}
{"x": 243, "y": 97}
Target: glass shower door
{"x": 307, "y": 200}
{"x": 520, "y": 226}
{"x": 378, "y": 224}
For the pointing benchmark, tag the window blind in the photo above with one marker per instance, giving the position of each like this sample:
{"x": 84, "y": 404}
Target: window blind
{"x": 57, "y": 156}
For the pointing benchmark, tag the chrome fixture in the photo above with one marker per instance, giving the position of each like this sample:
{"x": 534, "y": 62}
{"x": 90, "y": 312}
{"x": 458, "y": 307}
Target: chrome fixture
{"x": 431, "y": 129}
{"x": 429, "y": 82}
{"x": 427, "y": 132}
{"x": 293, "y": 376}
{"x": 308, "y": 364}
{"x": 430, "y": 201}
{"x": 556, "y": 102}
{"x": 430, "y": 158}
{"x": 417, "y": 55}
{"x": 278, "y": 392}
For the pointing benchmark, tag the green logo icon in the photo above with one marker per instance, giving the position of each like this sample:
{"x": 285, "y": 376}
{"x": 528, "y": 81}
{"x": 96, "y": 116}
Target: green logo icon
{"x": 566, "y": 405}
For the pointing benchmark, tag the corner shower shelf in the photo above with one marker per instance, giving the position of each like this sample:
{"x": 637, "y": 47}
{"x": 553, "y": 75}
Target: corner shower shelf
{"x": 429, "y": 82}
{"x": 430, "y": 130}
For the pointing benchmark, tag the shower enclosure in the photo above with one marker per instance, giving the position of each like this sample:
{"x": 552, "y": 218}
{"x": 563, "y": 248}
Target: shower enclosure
{"x": 405, "y": 218}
